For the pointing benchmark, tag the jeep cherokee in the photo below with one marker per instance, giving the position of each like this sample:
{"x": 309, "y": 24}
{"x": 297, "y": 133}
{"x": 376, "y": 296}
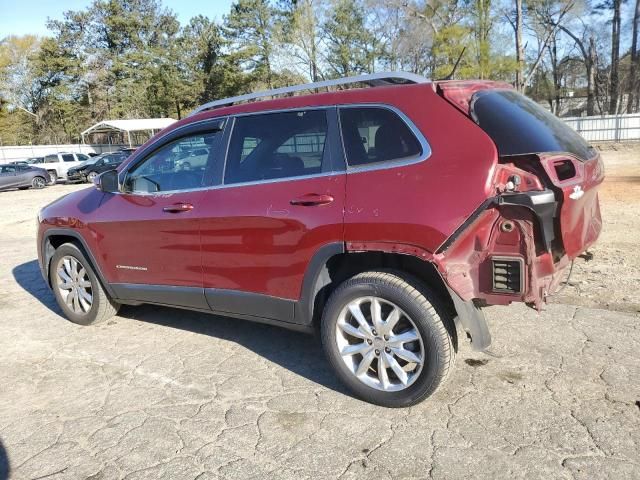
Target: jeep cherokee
{"x": 381, "y": 215}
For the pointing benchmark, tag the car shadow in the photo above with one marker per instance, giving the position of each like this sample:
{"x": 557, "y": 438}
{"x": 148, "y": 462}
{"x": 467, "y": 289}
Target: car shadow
{"x": 298, "y": 352}
{"x": 4, "y": 463}
{"x": 28, "y": 276}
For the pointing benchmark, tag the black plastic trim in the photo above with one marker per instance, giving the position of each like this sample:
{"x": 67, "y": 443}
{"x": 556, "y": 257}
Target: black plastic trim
{"x": 543, "y": 209}
{"x": 249, "y": 304}
{"x": 178, "y": 296}
{"x": 313, "y": 281}
{"x": 164, "y": 295}
{"x": 473, "y": 322}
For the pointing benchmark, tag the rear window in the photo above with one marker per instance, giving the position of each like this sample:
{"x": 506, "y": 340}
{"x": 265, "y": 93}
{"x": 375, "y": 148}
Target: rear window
{"x": 519, "y": 126}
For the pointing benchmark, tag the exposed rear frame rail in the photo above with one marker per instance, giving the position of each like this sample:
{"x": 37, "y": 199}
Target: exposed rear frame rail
{"x": 371, "y": 79}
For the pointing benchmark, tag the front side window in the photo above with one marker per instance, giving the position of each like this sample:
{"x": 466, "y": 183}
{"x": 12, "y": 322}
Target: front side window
{"x": 68, "y": 157}
{"x": 179, "y": 165}
{"x": 276, "y": 145}
{"x": 375, "y": 134}
{"x": 51, "y": 159}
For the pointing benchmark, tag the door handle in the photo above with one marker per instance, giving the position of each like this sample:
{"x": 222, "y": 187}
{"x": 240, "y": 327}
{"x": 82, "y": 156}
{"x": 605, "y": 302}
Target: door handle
{"x": 178, "y": 208}
{"x": 312, "y": 200}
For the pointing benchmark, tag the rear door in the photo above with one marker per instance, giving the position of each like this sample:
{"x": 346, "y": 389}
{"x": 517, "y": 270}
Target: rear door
{"x": 282, "y": 199}
{"x": 23, "y": 175}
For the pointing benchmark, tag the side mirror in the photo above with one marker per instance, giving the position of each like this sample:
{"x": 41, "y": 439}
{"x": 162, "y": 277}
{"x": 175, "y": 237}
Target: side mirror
{"x": 107, "y": 182}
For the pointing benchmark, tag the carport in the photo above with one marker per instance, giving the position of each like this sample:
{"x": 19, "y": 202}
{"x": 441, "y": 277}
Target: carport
{"x": 130, "y": 128}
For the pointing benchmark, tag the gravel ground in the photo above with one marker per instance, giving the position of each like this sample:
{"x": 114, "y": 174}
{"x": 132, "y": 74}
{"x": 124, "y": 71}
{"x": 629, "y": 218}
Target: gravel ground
{"x": 162, "y": 393}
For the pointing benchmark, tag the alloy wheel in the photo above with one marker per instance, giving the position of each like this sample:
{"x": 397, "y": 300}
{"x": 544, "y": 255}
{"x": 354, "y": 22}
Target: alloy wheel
{"x": 74, "y": 285}
{"x": 38, "y": 182}
{"x": 379, "y": 344}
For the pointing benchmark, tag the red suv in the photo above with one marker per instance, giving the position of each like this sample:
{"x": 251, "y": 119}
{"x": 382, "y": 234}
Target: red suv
{"x": 382, "y": 215}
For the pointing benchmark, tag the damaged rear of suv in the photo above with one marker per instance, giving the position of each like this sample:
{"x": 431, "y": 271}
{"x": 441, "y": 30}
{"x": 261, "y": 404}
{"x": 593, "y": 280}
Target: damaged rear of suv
{"x": 382, "y": 217}
{"x": 545, "y": 210}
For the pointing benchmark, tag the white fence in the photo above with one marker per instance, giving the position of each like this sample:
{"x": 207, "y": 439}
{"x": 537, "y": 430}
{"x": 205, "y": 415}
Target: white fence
{"x": 607, "y": 128}
{"x": 13, "y": 153}
{"x": 604, "y": 128}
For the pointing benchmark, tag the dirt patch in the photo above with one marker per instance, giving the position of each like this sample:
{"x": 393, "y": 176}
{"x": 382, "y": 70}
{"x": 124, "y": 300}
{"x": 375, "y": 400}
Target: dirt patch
{"x": 472, "y": 362}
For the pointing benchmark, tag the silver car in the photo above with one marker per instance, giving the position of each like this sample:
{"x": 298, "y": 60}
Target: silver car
{"x": 22, "y": 176}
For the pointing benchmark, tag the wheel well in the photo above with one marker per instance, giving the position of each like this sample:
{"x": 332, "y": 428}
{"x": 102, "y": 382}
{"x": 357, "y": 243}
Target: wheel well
{"x": 343, "y": 266}
{"x": 52, "y": 243}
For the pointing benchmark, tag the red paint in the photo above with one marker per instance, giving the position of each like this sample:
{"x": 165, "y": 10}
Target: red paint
{"x": 254, "y": 240}
{"x": 260, "y": 238}
{"x": 579, "y": 216}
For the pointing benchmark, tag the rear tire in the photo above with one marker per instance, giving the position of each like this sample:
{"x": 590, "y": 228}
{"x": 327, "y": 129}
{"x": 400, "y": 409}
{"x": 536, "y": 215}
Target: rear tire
{"x": 414, "y": 345}
{"x": 77, "y": 288}
{"x": 38, "y": 183}
{"x": 91, "y": 177}
{"x": 54, "y": 177}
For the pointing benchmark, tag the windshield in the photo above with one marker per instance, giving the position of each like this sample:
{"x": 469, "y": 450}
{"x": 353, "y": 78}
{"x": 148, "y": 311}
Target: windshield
{"x": 519, "y": 126}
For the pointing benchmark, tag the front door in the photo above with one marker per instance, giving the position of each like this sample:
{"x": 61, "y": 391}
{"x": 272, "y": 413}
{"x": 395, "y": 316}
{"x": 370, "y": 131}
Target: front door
{"x": 149, "y": 234}
{"x": 281, "y": 201}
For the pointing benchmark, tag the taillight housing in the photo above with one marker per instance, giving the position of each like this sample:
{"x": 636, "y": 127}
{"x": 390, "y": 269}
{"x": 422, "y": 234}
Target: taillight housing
{"x": 509, "y": 178}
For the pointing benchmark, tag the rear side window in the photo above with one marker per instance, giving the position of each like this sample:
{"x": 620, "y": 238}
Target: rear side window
{"x": 68, "y": 157}
{"x": 276, "y": 145}
{"x": 375, "y": 134}
{"x": 82, "y": 157}
{"x": 519, "y": 126}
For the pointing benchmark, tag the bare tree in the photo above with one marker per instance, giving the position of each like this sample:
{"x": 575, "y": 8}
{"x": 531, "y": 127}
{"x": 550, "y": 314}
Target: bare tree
{"x": 634, "y": 74}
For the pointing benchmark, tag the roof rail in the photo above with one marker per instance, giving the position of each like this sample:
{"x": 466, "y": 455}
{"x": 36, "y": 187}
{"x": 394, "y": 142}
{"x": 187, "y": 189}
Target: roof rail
{"x": 372, "y": 79}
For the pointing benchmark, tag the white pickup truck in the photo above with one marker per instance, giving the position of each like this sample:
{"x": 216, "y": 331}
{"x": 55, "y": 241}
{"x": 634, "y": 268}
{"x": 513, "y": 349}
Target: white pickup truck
{"x": 57, "y": 164}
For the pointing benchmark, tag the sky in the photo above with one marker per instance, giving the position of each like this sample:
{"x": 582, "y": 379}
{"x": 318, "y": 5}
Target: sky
{"x": 21, "y": 17}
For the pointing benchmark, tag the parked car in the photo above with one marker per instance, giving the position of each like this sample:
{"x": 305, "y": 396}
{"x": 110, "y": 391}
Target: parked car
{"x": 73, "y": 174}
{"x": 57, "y": 164}
{"x": 375, "y": 215}
{"x": 22, "y": 176}
{"x": 89, "y": 170}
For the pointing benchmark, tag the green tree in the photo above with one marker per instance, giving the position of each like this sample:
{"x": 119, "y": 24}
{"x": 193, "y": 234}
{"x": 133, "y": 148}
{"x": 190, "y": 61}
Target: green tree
{"x": 351, "y": 48}
{"x": 249, "y": 26}
{"x": 209, "y": 70}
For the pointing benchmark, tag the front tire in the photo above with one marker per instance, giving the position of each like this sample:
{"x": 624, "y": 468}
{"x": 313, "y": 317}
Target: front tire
{"x": 77, "y": 288}
{"x": 54, "y": 177}
{"x": 388, "y": 338}
{"x": 91, "y": 177}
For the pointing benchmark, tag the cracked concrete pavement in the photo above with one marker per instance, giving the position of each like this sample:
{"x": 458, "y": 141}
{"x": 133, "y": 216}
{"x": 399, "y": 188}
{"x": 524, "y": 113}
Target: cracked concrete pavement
{"x": 162, "y": 393}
